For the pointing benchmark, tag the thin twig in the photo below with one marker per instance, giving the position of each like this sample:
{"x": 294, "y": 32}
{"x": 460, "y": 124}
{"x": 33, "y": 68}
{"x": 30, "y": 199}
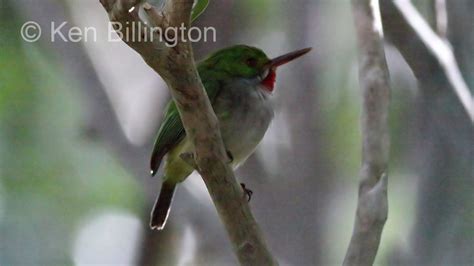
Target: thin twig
{"x": 441, "y": 18}
{"x": 177, "y": 67}
{"x": 440, "y": 50}
{"x": 372, "y": 206}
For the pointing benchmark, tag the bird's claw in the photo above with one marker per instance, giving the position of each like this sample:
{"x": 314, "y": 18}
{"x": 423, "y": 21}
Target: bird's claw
{"x": 188, "y": 157}
{"x": 247, "y": 192}
{"x": 230, "y": 157}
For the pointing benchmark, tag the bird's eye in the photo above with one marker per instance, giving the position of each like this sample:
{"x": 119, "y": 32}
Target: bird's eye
{"x": 251, "y": 62}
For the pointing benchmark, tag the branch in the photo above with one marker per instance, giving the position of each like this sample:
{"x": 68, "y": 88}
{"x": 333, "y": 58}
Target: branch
{"x": 372, "y": 206}
{"x": 177, "y": 67}
{"x": 440, "y": 18}
{"x": 406, "y": 24}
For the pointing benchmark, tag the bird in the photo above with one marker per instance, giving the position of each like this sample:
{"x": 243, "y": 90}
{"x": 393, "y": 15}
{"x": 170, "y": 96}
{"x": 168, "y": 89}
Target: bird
{"x": 239, "y": 81}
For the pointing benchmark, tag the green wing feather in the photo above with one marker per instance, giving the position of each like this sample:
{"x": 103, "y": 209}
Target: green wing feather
{"x": 172, "y": 131}
{"x": 198, "y": 9}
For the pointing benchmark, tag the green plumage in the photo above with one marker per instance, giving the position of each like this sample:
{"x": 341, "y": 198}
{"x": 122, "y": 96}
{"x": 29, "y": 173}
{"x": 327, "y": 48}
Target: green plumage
{"x": 238, "y": 81}
{"x": 214, "y": 71}
{"x": 172, "y": 131}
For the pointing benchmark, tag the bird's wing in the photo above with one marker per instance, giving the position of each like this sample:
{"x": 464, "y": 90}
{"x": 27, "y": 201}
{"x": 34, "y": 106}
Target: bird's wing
{"x": 172, "y": 131}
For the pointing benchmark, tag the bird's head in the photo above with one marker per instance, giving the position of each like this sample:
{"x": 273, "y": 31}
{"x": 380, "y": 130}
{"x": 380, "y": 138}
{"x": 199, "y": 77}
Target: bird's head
{"x": 251, "y": 63}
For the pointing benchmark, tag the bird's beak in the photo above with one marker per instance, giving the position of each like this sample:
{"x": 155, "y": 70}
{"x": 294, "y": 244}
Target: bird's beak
{"x": 283, "y": 59}
{"x": 271, "y": 66}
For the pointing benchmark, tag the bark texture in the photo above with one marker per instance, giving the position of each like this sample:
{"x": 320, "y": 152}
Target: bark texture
{"x": 372, "y": 206}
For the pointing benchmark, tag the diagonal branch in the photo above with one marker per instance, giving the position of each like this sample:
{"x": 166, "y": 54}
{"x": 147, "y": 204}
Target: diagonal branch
{"x": 175, "y": 64}
{"x": 372, "y": 206}
{"x": 439, "y": 51}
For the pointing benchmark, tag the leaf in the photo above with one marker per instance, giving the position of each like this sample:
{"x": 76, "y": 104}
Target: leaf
{"x": 198, "y": 9}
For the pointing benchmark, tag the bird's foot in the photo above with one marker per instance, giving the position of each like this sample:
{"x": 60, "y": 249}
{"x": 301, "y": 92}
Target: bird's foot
{"x": 188, "y": 157}
{"x": 230, "y": 157}
{"x": 247, "y": 192}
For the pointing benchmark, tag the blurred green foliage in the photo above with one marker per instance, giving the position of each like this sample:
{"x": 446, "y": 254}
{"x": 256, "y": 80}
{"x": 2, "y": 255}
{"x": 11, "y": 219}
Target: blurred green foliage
{"x": 51, "y": 176}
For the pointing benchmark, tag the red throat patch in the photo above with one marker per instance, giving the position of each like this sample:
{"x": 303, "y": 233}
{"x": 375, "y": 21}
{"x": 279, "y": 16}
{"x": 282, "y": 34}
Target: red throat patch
{"x": 269, "y": 81}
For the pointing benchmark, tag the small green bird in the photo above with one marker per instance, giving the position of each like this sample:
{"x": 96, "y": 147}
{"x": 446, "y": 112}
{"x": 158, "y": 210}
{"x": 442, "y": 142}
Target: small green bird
{"x": 239, "y": 81}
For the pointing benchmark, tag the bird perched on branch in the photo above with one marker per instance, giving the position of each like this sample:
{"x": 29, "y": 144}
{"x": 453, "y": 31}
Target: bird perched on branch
{"x": 239, "y": 81}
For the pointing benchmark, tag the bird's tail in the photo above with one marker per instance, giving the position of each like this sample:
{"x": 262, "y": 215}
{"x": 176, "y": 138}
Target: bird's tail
{"x": 162, "y": 207}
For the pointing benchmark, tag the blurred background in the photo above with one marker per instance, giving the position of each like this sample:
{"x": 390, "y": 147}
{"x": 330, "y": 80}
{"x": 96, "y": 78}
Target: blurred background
{"x": 78, "y": 120}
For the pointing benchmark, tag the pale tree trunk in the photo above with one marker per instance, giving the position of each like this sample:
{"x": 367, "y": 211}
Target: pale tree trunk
{"x": 372, "y": 205}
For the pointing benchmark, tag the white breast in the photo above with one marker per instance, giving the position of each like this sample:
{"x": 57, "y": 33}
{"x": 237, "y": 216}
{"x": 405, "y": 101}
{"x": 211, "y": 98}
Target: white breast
{"x": 244, "y": 115}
